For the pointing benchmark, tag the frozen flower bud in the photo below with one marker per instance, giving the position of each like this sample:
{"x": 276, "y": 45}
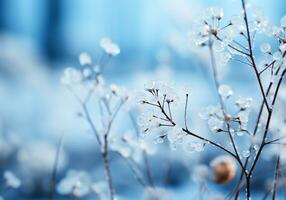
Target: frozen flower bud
{"x": 175, "y": 134}
{"x": 124, "y": 151}
{"x": 11, "y": 180}
{"x": 283, "y": 21}
{"x": 96, "y": 68}
{"x": 192, "y": 147}
{"x": 109, "y": 47}
{"x": 214, "y": 12}
{"x": 225, "y": 91}
{"x": 224, "y": 57}
{"x": 114, "y": 88}
{"x": 76, "y": 183}
{"x": 243, "y": 103}
{"x": 245, "y": 153}
{"x": 275, "y": 30}
{"x": 277, "y": 55}
{"x": 283, "y": 47}
{"x": 71, "y": 76}
{"x": 84, "y": 59}
{"x": 87, "y": 72}
{"x": 223, "y": 169}
{"x": 265, "y": 48}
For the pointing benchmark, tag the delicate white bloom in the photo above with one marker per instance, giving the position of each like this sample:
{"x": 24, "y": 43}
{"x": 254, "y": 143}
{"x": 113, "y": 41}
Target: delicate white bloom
{"x": 219, "y": 46}
{"x": 277, "y": 55}
{"x": 101, "y": 189}
{"x": 224, "y": 57}
{"x": 215, "y": 124}
{"x": 11, "y": 180}
{"x": 244, "y": 103}
{"x": 109, "y": 47}
{"x": 276, "y": 30}
{"x": 119, "y": 91}
{"x": 245, "y": 153}
{"x": 243, "y": 119}
{"x": 192, "y": 147}
{"x": 87, "y": 72}
{"x": 225, "y": 91}
{"x": 260, "y": 22}
{"x": 175, "y": 135}
{"x": 238, "y": 24}
{"x": 265, "y": 48}
{"x": 214, "y": 12}
{"x": 76, "y": 183}
{"x": 85, "y": 59}
{"x": 283, "y": 21}
{"x": 71, "y": 76}
{"x": 208, "y": 112}
{"x": 282, "y": 47}
{"x": 147, "y": 122}
{"x": 147, "y": 147}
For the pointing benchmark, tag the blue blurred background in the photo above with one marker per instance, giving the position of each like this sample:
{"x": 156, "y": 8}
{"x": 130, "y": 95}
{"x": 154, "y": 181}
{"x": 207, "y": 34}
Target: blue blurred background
{"x": 38, "y": 39}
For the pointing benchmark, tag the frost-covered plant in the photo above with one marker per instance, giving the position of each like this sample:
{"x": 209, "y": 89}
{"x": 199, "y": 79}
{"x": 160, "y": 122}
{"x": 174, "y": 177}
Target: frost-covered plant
{"x": 83, "y": 84}
{"x": 88, "y": 85}
{"x": 234, "y": 40}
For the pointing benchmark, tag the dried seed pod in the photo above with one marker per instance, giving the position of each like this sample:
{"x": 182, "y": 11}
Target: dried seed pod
{"x": 223, "y": 169}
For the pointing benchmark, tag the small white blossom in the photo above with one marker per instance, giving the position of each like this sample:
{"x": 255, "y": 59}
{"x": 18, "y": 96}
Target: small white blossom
{"x": 76, "y": 183}
{"x": 85, "y": 59}
{"x": 225, "y": 91}
{"x": 245, "y": 153}
{"x": 277, "y": 55}
{"x": 109, "y": 47}
{"x": 11, "y": 180}
{"x": 87, "y": 72}
{"x": 71, "y": 76}
{"x": 265, "y": 48}
{"x": 244, "y": 103}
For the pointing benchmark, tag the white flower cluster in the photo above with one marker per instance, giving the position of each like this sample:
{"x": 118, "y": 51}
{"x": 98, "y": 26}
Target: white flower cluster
{"x": 109, "y": 47}
{"x": 132, "y": 147}
{"x": 84, "y": 81}
{"x": 79, "y": 184}
{"x": 157, "y": 120}
{"x": 88, "y": 70}
{"x": 210, "y": 31}
{"x": 217, "y": 118}
{"x": 160, "y": 97}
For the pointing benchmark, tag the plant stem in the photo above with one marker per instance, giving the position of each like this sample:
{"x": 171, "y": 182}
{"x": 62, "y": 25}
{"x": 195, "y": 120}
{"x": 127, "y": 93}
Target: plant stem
{"x": 105, "y": 156}
{"x": 276, "y": 177}
{"x": 55, "y": 166}
{"x": 252, "y": 56}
